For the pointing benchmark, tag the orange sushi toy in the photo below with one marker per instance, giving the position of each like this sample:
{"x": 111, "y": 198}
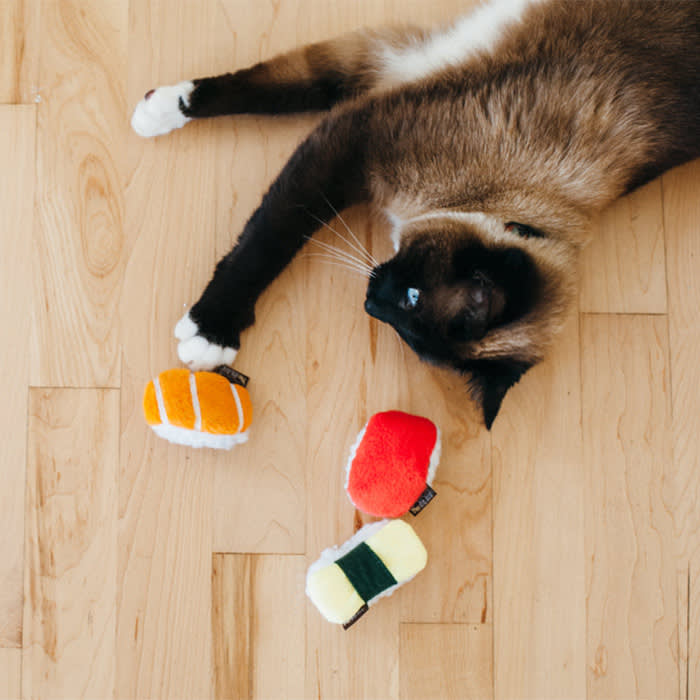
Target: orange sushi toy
{"x": 199, "y": 409}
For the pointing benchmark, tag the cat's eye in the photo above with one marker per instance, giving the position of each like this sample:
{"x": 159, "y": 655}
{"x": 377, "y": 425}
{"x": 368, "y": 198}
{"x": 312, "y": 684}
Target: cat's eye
{"x": 412, "y": 296}
{"x": 523, "y": 230}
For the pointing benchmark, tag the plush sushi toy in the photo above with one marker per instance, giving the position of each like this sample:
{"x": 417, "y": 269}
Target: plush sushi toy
{"x": 372, "y": 564}
{"x": 392, "y": 464}
{"x": 199, "y": 409}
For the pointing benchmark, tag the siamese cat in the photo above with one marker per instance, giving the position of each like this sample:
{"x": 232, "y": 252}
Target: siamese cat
{"x": 490, "y": 144}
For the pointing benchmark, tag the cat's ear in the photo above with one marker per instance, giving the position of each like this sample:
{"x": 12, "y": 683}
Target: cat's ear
{"x": 489, "y": 380}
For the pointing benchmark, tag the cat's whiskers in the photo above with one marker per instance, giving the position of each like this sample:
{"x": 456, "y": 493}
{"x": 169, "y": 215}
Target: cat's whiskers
{"x": 358, "y": 247}
{"x": 344, "y": 256}
{"x": 366, "y": 271}
{"x": 347, "y": 267}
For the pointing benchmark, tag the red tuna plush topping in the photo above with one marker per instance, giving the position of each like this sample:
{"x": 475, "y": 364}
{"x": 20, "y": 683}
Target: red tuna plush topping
{"x": 394, "y": 459}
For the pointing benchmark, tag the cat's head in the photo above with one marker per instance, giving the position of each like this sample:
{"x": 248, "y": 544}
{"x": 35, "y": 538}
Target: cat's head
{"x": 478, "y": 295}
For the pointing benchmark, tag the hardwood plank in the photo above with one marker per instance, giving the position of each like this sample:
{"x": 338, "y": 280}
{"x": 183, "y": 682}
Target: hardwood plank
{"x": 258, "y": 627}
{"x": 682, "y": 491}
{"x": 692, "y": 677}
{"x": 446, "y": 662}
{"x": 78, "y": 230}
{"x": 632, "y": 614}
{"x": 692, "y": 626}
{"x": 231, "y": 617}
{"x": 17, "y": 129}
{"x": 623, "y": 268}
{"x": 539, "y": 587}
{"x": 164, "y": 604}
{"x": 10, "y": 673}
{"x": 71, "y": 532}
{"x": 688, "y": 611}
{"x": 166, "y": 499}
{"x": 19, "y": 51}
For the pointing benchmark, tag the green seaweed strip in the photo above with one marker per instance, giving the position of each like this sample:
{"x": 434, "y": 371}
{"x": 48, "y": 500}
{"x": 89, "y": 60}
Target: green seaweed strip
{"x": 366, "y": 572}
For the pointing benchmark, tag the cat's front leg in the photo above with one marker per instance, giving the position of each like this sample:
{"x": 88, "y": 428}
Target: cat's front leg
{"x": 313, "y": 77}
{"x": 327, "y": 172}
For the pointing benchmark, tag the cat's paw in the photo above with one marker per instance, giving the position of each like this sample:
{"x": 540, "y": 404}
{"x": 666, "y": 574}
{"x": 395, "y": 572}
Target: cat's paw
{"x": 160, "y": 111}
{"x": 196, "y": 351}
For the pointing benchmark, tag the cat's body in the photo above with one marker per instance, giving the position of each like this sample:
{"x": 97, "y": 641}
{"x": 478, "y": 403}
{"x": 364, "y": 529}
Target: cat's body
{"x": 491, "y": 145}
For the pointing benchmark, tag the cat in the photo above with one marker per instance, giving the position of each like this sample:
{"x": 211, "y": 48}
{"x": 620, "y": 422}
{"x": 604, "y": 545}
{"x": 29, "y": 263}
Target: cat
{"x": 490, "y": 144}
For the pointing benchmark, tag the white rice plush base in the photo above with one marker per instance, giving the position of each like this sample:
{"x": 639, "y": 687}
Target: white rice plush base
{"x": 330, "y": 555}
{"x": 432, "y": 467}
{"x": 183, "y": 436}
{"x": 434, "y": 458}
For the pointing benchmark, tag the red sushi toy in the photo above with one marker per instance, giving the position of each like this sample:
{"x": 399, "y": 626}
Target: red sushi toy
{"x": 392, "y": 464}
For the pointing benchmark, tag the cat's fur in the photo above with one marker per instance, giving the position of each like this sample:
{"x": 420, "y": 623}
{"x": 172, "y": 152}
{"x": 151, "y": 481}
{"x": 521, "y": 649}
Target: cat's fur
{"x": 492, "y": 144}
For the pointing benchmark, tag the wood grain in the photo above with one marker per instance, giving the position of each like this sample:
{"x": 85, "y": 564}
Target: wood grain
{"x": 690, "y": 682}
{"x": 17, "y": 128}
{"x": 10, "y": 674}
{"x": 623, "y": 269}
{"x": 254, "y": 620}
{"x": 538, "y": 536}
{"x": 70, "y": 546}
{"x": 681, "y": 224}
{"x": 446, "y": 662}
{"x": 19, "y": 51}
{"x": 166, "y": 499}
{"x": 78, "y": 229}
{"x": 688, "y": 614}
{"x": 632, "y": 610}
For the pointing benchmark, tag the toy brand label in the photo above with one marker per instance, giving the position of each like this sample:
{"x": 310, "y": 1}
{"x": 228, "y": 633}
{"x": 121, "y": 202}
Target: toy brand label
{"x": 356, "y": 616}
{"x": 423, "y": 501}
{"x": 233, "y": 376}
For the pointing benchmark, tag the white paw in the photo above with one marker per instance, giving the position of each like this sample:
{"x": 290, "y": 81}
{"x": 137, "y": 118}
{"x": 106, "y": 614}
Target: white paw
{"x": 159, "y": 111}
{"x": 197, "y": 352}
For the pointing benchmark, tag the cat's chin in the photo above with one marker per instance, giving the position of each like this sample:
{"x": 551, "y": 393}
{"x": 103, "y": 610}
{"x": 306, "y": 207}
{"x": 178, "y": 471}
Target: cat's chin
{"x": 196, "y": 351}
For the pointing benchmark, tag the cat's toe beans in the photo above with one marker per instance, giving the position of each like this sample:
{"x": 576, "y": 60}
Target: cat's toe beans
{"x": 159, "y": 111}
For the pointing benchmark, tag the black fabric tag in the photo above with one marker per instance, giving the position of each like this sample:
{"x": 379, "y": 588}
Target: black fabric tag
{"x": 232, "y": 375}
{"x": 422, "y": 501}
{"x": 356, "y": 616}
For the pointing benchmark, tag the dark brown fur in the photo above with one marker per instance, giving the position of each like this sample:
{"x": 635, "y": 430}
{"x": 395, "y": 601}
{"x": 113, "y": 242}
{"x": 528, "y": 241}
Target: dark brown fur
{"x": 581, "y": 103}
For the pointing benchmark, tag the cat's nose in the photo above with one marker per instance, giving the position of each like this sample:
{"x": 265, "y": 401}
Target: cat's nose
{"x": 371, "y": 307}
{"x": 378, "y": 310}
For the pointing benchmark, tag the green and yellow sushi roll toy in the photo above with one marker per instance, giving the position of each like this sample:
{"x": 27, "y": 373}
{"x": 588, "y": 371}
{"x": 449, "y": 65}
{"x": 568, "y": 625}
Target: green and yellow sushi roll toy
{"x": 199, "y": 409}
{"x": 373, "y": 563}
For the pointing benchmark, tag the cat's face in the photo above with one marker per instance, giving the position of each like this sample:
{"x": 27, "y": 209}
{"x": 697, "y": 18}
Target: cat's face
{"x": 466, "y": 296}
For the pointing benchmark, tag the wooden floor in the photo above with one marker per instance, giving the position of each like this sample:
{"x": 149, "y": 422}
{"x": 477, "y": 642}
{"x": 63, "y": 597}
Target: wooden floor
{"x": 564, "y": 546}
